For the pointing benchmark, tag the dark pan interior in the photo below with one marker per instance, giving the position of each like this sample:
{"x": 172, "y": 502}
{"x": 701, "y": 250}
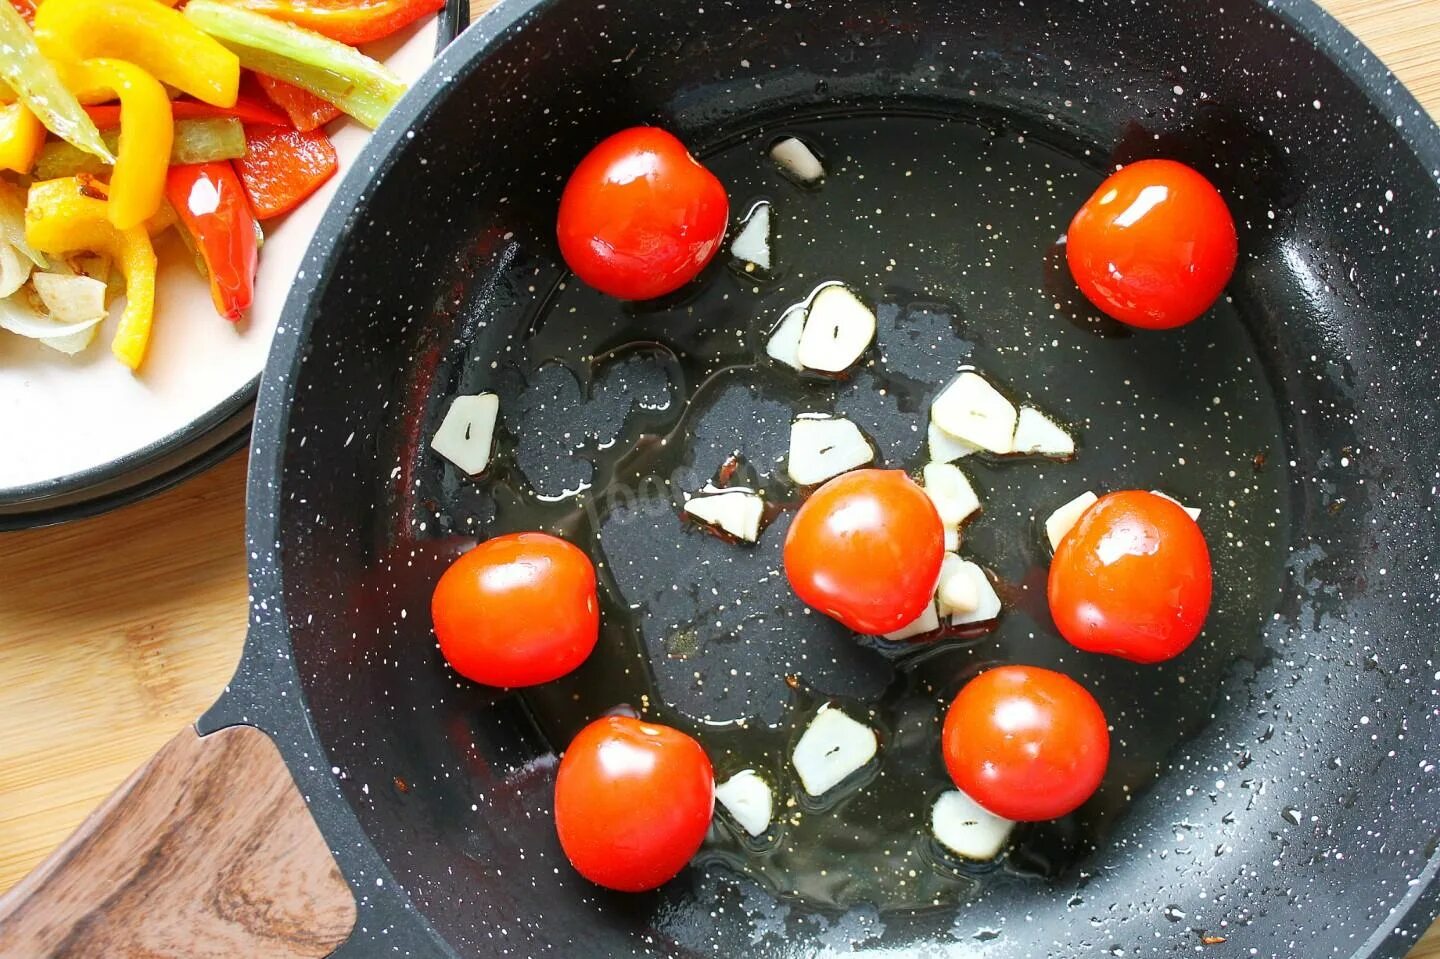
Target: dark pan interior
{"x": 1273, "y": 789}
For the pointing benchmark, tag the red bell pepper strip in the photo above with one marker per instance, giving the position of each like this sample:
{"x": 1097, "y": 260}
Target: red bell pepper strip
{"x": 306, "y": 111}
{"x": 349, "y": 21}
{"x": 213, "y": 209}
{"x": 26, "y": 9}
{"x": 107, "y": 115}
{"x": 282, "y": 167}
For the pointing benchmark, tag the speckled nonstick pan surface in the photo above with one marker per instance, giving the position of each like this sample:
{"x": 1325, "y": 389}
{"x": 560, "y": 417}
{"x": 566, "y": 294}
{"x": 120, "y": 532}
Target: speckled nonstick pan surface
{"x": 1274, "y": 788}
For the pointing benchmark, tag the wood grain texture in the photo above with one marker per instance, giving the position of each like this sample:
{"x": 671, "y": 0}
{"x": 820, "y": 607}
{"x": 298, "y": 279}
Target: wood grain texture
{"x": 207, "y": 851}
{"x": 116, "y": 631}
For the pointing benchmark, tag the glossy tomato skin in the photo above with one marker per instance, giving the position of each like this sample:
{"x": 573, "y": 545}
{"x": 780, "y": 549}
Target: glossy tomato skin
{"x": 633, "y": 802}
{"x": 1026, "y": 743}
{"x": 1155, "y": 246}
{"x": 517, "y": 610}
{"x": 1132, "y": 578}
{"x": 866, "y": 549}
{"x": 640, "y": 217}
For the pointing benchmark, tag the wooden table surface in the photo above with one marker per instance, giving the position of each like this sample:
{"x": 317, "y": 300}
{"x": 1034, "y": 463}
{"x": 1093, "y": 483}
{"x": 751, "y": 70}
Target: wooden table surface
{"x": 117, "y": 631}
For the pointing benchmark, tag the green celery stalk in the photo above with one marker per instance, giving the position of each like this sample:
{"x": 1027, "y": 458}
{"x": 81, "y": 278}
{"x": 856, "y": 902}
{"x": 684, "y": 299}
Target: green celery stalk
{"x": 364, "y": 88}
{"x": 33, "y": 79}
{"x": 196, "y": 141}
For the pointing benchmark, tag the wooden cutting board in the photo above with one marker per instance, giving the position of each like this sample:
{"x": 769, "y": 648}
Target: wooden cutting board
{"x": 117, "y": 631}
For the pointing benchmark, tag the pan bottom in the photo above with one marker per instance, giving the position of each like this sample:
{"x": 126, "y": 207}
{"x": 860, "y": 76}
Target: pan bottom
{"x": 949, "y": 227}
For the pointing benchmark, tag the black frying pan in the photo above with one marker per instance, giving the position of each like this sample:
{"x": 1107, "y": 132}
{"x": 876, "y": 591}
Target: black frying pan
{"x": 1272, "y": 792}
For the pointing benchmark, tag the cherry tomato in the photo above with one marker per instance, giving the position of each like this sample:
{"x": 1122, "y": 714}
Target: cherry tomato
{"x": 633, "y": 802}
{"x": 1155, "y": 246}
{"x": 1026, "y": 743}
{"x": 640, "y": 216}
{"x": 517, "y": 610}
{"x": 1131, "y": 578}
{"x": 866, "y": 549}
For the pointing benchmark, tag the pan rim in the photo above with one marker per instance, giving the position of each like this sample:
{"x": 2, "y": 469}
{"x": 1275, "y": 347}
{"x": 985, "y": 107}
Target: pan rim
{"x": 1391, "y": 938}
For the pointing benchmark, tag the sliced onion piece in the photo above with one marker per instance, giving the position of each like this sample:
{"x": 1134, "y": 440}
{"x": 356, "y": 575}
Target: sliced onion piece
{"x": 1194, "y": 511}
{"x": 952, "y": 540}
{"x": 467, "y": 433}
{"x": 736, "y": 511}
{"x": 927, "y": 622}
{"x": 20, "y": 317}
{"x": 832, "y": 748}
{"x": 945, "y": 448}
{"x": 986, "y": 603}
{"x": 797, "y": 161}
{"x": 74, "y": 343}
{"x": 839, "y": 328}
{"x": 14, "y": 269}
{"x": 950, "y": 490}
{"x": 752, "y": 243}
{"x": 12, "y": 223}
{"x": 1037, "y": 433}
{"x": 968, "y": 829}
{"x": 749, "y": 800}
{"x": 972, "y": 410}
{"x": 784, "y": 342}
{"x": 825, "y": 446}
{"x": 1060, "y": 522}
{"x": 70, "y": 298}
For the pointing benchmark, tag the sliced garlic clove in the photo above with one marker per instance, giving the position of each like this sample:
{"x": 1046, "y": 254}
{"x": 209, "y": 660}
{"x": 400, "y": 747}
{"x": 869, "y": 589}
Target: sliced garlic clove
{"x": 950, "y": 490}
{"x": 927, "y": 622}
{"x": 467, "y": 433}
{"x": 784, "y": 342}
{"x": 752, "y": 243}
{"x": 831, "y": 749}
{"x": 987, "y": 602}
{"x": 1194, "y": 511}
{"x": 1063, "y": 519}
{"x": 968, "y": 829}
{"x": 748, "y": 799}
{"x": 951, "y": 566}
{"x": 1037, "y": 433}
{"x": 945, "y": 448}
{"x": 972, "y": 410}
{"x": 797, "y": 161}
{"x": 736, "y": 511}
{"x": 825, "y": 446}
{"x": 839, "y": 328}
{"x": 959, "y": 595}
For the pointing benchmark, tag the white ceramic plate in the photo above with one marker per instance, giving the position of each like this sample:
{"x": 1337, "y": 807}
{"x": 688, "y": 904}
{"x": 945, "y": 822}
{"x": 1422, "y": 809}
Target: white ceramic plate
{"x": 68, "y": 424}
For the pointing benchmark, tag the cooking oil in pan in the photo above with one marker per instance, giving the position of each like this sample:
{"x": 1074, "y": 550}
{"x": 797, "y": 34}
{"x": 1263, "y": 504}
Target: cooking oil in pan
{"x": 948, "y": 229}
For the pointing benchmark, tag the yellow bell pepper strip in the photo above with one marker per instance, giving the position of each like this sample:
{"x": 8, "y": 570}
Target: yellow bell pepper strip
{"x": 147, "y": 33}
{"x": 33, "y": 80}
{"x": 364, "y": 88}
{"x": 21, "y": 136}
{"x": 146, "y": 134}
{"x": 70, "y": 215}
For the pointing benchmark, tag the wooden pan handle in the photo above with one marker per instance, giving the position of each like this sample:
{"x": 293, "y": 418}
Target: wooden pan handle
{"x": 208, "y": 850}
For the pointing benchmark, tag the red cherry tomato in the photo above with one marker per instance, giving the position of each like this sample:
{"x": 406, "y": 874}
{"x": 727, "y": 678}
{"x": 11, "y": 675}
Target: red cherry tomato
{"x": 633, "y": 801}
{"x": 640, "y": 216}
{"x": 1155, "y": 246}
{"x": 517, "y": 610}
{"x": 866, "y": 549}
{"x": 1026, "y": 743}
{"x": 1132, "y": 578}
